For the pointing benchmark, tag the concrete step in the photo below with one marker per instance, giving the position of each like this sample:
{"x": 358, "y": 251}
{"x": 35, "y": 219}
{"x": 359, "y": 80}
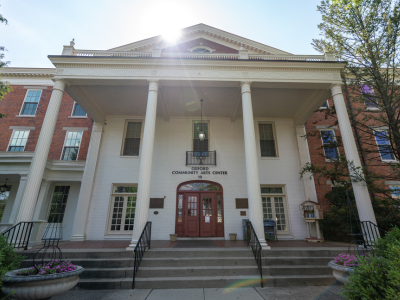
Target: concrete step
{"x": 104, "y": 284}
{"x": 94, "y": 263}
{"x": 275, "y": 261}
{"x": 146, "y": 272}
{"x": 191, "y": 253}
{"x": 296, "y": 270}
{"x": 313, "y": 252}
{"x": 93, "y": 253}
{"x": 198, "y": 261}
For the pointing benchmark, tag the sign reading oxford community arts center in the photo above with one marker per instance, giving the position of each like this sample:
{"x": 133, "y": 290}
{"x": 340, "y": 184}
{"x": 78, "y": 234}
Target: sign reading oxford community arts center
{"x": 201, "y": 171}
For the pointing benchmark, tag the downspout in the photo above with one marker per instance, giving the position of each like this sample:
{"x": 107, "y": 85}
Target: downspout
{"x": 353, "y": 123}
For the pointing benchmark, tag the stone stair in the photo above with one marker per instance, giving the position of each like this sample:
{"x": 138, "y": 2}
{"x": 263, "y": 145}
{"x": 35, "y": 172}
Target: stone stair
{"x": 201, "y": 267}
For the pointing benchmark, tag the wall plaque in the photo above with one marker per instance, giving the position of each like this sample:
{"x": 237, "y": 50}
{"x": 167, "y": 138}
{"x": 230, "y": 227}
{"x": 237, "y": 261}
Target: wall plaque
{"x": 156, "y": 202}
{"x": 242, "y": 203}
{"x": 243, "y": 213}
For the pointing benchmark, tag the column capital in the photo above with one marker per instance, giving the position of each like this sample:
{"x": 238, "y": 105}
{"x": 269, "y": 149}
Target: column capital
{"x": 336, "y": 89}
{"x": 245, "y": 86}
{"x": 59, "y": 84}
{"x": 98, "y": 127}
{"x": 153, "y": 85}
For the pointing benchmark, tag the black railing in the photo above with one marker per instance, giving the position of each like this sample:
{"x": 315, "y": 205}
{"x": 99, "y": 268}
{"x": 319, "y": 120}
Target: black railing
{"x": 18, "y": 235}
{"x": 253, "y": 242}
{"x": 141, "y": 246}
{"x": 371, "y": 232}
{"x": 201, "y": 158}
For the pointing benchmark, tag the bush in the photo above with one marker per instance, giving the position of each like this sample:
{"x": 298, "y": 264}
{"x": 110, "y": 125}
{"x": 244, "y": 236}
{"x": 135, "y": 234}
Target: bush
{"x": 9, "y": 259}
{"x": 377, "y": 277}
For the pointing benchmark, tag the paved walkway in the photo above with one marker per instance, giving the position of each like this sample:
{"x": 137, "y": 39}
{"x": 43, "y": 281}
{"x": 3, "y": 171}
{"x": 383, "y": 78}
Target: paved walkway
{"x": 287, "y": 293}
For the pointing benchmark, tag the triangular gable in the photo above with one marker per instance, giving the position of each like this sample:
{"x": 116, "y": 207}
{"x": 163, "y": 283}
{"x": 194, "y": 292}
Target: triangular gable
{"x": 185, "y": 47}
{"x": 202, "y": 31}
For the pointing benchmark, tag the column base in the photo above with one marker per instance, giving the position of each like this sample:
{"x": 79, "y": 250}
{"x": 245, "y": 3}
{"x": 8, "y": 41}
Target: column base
{"x": 264, "y": 245}
{"x": 78, "y": 238}
{"x": 132, "y": 245}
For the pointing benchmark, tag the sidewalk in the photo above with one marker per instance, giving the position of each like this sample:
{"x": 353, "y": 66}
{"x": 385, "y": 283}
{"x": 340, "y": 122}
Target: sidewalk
{"x": 270, "y": 293}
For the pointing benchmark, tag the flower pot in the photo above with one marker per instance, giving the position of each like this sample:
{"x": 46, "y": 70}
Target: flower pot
{"x": 35, "y": 287}
{"x": 232, "y": 236}
{"x": 173, "y": 237}
{"x": 340, "y": 272}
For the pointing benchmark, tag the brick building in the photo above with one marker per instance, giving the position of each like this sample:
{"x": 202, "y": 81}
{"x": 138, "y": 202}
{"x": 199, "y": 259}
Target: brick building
{"x": 150, "y": 150}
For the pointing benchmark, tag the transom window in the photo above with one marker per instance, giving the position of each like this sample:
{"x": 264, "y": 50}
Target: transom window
{"x": 31, "y": 102}
{"x": 122, "y": 209}
{"x": 58, "y": 204}
{"x": 3, "y": 201}
{"x": 131, "y": 145}
{"x": 384, "y": 146}
{"x": 329, "y": 144}
{"x": 274, "y": 207}
{"x": 201, "y": 146}
{"x": 78, "y": 111}
{"x": 18, "y": 140}
{"x": 199, "y": 186}
{"x": 267, "y": 140}
{"x": 71, "y": 145}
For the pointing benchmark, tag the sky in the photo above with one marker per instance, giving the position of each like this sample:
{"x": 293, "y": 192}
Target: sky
{"x": 38, "y": 28}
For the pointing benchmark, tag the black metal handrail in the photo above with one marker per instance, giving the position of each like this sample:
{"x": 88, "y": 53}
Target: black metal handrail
{"x": 253, "y": 242}
{"x": 141, "y": 246}
{"x": 201, "y": 158}
{"x": 19, "y": 235}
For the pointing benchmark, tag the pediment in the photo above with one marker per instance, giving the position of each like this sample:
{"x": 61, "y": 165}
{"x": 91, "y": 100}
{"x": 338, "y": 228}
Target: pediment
{"x": 193, "y": 36}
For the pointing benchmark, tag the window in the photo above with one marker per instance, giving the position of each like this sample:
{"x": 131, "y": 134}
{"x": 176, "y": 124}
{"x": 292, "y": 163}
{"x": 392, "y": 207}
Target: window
{"x": 131, "y": 145}
{"x": 329, "y": 144}
{"x": 78, "y": 111}
{"x": 18, "y": 140}
{"x": 325, "y": 105}
{"x": 31, "y": 102}
{"x": 122, "y": 209}
{"x": 368, "y": 94}
{"x": 395, "y": 191}
{"x": 3, "y": 201}
{"x": 199, "y": 147}
{"x": 384, "y": 147}
{"x": 267, "y": 140}
{"x": 71, "y": 145}
{"x": 274, "y": 207}
{"x": 58, "y": 204}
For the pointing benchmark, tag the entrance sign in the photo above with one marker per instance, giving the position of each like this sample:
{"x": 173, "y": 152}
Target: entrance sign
{"x": 201, "y": 172}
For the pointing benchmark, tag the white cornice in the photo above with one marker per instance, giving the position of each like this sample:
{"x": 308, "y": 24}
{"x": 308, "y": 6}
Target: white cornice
{"x": 27, "y": 72}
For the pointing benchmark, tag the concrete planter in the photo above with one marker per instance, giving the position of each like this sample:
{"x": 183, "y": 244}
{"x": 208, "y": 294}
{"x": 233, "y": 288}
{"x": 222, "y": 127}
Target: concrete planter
{"x": 232, "y": 236}
{"x": 340, "y": 272}
{"x": 35, "y": 287}
{"x": 173, "y": 237}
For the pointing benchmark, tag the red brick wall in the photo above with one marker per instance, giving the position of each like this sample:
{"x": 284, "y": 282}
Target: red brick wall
{"x": 184, "y": 47}
{"x": 11, "y": 106}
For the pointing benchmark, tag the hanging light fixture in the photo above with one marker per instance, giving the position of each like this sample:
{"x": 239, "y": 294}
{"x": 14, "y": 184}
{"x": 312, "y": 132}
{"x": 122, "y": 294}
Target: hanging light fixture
{"x": 201, "y": 133}
{"x": 4, "y": 188}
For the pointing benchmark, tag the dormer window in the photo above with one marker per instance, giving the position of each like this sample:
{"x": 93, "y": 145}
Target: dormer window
{"x": 201, "y": 49}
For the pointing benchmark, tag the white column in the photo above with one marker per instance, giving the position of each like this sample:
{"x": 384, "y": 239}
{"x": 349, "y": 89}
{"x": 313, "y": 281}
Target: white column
{"x": 146, "y": 161}
{"x": 85, "y": 194}
{"x": 252, "y": 175}
{"x": 44, "y": 189}
{"x": 39, "y": 160}
{"x": 361, "y": 194}
{"x": 17, "y": 200}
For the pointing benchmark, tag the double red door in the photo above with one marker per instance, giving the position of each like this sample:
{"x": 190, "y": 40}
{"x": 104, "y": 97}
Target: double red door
{"x": 200, "y": 214}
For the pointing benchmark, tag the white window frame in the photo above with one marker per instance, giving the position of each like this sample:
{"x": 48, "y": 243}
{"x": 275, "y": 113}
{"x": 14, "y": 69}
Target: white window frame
{"x": 275, "y": 140}
{"x": 77, "y": 117}
{"x": 365, "y": 103}
{"x": 65, "y": 140}
{"x": 124, "y": 136}
{"x": 285, "y": 206}
{"x": 327, "y": 105}
{"x": 394, "y": 160}
{"x": 53, "y": 187}
{"x": 12, "y": 136}
{"x": 322, "y": 141}
{"x": 111, "y": 207}
{"x": 23, "y": 103}
{"x": 209, "y": 132}
{"x": 395, "y": 186}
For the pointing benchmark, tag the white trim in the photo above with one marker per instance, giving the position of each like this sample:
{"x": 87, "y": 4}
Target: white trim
{"x": 124, "y": 136}
{"x": 275, "y": 139}
{"x": 22, "y": 128}
{"x": 34, "y": 87}
{"x": 75, "y": 128}
{"x": 65, "y": 139}
{"x": 334, "y": 137}
{"x": 326, "y": 127}
{"x": 11, "y": 138}
{"x": 72, "y": 113}
{"x": 377, "y": 145}
{"x": 26, "y": 95}
{"x": 392, "y": 182}
{"x": 77, "y": 117}
{"x": 25, "y": 116}
{"x": 327, "y": 105}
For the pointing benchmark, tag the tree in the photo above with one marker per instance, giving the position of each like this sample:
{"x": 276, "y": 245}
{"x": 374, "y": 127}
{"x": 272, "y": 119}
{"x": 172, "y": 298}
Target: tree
{"x": 4, "y": 87}
{"x": 366, "y": 34}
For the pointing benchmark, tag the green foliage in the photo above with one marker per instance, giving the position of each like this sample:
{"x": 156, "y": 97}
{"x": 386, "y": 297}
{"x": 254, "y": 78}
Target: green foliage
{"x": 4, "y": 86}
{"x": 9, "y": 259}
{"x": 377, "y": 277}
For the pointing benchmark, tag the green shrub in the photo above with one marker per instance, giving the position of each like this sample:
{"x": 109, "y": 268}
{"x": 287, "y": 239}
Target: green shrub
{"x": 9, "y": 259}
{"x": 377, "y": 277}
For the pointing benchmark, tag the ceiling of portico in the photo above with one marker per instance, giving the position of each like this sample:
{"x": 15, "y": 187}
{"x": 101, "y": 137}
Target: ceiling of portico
{"x": 221, "y": 99}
